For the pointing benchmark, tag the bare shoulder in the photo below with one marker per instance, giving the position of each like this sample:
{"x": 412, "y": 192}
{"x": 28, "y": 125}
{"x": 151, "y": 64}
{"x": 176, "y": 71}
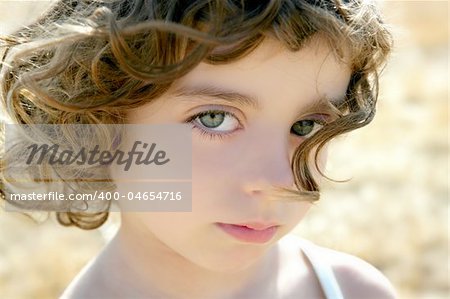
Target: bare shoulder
{"x": 100, "y": 279}
{"x": 87, "y": 284}
{"x": 356, "y": 277}
{"x": 80, "y": 286}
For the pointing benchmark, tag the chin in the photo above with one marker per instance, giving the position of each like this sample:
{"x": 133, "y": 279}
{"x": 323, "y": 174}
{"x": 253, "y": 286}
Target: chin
{"x": 235, "y": 260}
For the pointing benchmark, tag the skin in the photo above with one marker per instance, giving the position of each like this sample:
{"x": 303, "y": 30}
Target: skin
{"x": 185, "y": 255}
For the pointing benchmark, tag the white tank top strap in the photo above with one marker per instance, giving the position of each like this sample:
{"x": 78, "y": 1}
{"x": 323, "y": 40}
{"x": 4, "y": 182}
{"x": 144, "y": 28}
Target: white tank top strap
{"x": 323, "y": 271}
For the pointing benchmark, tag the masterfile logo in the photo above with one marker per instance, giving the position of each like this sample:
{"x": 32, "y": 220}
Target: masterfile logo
{"x": 95, "y": 157}
{"x": 81, "y": 167}
{"x": 143, "y": 151}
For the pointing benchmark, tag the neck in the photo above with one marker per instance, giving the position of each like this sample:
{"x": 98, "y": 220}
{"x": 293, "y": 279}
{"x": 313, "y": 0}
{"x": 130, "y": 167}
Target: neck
{"x": 143, "y": 264}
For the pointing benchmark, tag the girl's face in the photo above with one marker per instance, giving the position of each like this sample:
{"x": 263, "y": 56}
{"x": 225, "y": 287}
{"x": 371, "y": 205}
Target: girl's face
{"x": 261, "y": 111}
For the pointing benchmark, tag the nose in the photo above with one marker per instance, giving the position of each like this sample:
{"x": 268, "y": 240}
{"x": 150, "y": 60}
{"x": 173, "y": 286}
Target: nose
{"x": 269, "y": 166}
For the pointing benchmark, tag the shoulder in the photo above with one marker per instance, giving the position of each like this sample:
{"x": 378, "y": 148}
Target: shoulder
{"x": 78, "y": 287}
{"x": 99, "y": 279}
{"x": 85, "y": 285}
{"x": 356, "y": 277}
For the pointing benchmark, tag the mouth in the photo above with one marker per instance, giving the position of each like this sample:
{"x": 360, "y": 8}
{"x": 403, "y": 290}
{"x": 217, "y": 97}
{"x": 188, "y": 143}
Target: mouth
{"x": 253, "y": 232}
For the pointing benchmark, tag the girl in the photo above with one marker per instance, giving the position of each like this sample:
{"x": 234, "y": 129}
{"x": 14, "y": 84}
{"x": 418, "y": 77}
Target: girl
{"x": 264, "y": 85}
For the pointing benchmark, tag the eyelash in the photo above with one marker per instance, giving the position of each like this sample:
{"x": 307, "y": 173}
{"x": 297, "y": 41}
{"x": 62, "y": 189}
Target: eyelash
{"x": 204, "y": 133}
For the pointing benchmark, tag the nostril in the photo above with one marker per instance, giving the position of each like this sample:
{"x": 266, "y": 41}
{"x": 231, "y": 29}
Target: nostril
{"x": 256, "y": 192}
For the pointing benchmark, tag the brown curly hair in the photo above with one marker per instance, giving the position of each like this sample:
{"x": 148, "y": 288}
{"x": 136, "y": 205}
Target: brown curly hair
{"x": 89, "y": 61}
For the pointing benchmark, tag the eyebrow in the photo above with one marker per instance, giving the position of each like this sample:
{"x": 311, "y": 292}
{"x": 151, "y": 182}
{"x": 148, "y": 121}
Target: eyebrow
{"x": 211, "y": 93}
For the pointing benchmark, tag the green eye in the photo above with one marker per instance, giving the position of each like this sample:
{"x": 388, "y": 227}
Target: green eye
{"x": 214, "y": 123}
{"x": 212, "y": 119}
{"x": 304, "y": 127}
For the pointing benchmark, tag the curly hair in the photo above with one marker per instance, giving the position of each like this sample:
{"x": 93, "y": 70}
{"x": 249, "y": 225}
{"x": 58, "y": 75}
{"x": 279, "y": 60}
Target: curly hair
{"x": 89, "y": 61}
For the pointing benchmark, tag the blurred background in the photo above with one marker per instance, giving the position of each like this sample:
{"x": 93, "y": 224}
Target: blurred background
{"x": 393, "y": 212}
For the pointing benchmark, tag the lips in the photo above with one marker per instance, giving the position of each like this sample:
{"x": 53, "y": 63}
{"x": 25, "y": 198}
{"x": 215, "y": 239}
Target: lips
{"x": 251, "y": 232}
{"x": 257, "y": 225}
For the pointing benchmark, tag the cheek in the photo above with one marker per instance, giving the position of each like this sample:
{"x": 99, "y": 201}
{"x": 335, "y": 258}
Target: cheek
{"x": 213, "y": 166}
{"x": 211, "y": 184}
{"x": 173, "y": 228}
{"x": 296, "y": 213}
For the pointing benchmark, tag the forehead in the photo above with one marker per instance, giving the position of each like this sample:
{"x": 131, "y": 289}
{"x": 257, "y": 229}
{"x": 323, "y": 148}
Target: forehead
{"x": 272, "y": 71}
